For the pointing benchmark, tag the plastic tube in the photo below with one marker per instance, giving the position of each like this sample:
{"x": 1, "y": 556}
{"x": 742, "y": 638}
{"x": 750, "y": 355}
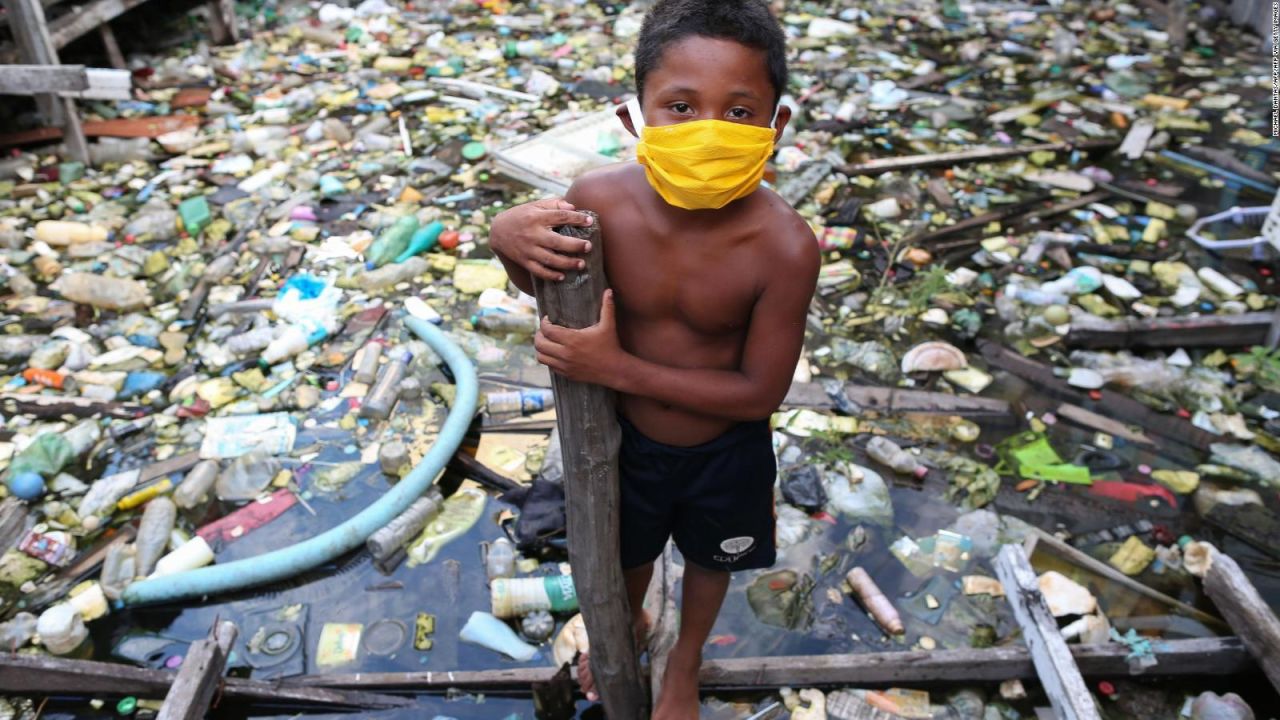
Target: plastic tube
{"x": 287, "y": 562}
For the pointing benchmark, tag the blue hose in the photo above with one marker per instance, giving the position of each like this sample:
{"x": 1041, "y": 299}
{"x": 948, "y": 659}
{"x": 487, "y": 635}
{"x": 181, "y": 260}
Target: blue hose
{"x": 308, "y": 554}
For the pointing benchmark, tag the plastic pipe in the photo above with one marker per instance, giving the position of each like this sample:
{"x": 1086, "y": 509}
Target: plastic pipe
{"x": 308, "y": 554}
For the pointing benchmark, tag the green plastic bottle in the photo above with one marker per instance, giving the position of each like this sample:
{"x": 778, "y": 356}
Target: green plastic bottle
{"x": 391, "y": 242}
{"x": 423, "y": 240}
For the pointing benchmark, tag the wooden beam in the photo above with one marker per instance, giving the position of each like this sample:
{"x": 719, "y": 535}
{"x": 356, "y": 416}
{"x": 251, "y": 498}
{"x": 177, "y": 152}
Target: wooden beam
{"x": 85, "y": 20}
{"x": 47, "y": 675}
{"x": 55, "y": 407}
{"x": 896, "y": 400}
{"x": 1115, "y": 405}
{"x": 961, "y": 157}
{"x": 1170, "y": 332}
{"x": 589, "y": 440}
{"x": 1247, "y": 613}
{"x": 1175, "y": 658}
{"x": 222, "y": 22}
{"x": 1055, "y": 666}
{"x": 37, "y": 79}
{"x": 200, "y": 675}
{"x": 26, "y": 19}
{"x": 111, "y": 46}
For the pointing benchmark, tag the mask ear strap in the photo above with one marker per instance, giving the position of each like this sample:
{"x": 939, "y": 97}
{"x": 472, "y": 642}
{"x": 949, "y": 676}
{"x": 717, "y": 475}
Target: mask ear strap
{"x": 637, "y": 115}
{"x": 773, "y": 124}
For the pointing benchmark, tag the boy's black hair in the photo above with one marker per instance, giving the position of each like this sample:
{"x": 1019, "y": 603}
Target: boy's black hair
{"x": 748, "y": 22}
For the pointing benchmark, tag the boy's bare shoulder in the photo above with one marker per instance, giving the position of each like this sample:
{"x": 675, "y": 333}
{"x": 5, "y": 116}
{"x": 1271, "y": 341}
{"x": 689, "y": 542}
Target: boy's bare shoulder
{"x": 791, "y": 240}
{"x": 606, "y": 186}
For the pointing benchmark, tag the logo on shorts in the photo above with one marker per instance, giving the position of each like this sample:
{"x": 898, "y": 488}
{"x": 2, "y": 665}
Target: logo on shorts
{"x": 738, "y": 546}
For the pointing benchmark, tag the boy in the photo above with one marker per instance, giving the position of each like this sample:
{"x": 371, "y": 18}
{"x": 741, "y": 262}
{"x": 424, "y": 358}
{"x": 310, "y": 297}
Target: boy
{"x": 711, "y": 280}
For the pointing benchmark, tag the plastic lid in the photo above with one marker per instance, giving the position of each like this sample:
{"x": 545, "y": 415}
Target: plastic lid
{"x": 127, "y": 706}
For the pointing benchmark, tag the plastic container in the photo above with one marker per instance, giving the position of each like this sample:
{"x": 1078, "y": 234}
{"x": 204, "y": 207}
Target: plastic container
{"x": 62, "y": 232}
{"x": 515, "y": 597}
{"x": 61, "y": 629}
{"x": 102, "y": 291}
{"x": 385, "y": 277}
{"x": 393, "y": 458}
{"x": 153, "y": 222}
{"x": 118, "y": 570}
{"x": 423, "y": 240}
{"x": 193, "y": 554}
{"x": 194, "y": 488}
{"x": 506, "y": 323}
{"x": 487, "y": 631}
{"x": 367, "y": 370}
{"x": 500, "y": 561}
{"x": 519, "y": 401}
{"x": 252, "y": 341}
{"x": 886, "y": 452}
{"x": 386, "y": 540}
{"x": 292, "y": 341}
{"x": 392, "y": 242}
{"x": 385, "y": 392}
{"x": 153, "y": 534}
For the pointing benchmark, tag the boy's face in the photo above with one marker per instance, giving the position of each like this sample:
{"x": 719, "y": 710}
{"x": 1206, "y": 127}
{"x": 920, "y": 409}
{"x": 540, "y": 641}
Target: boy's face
{"x": 703, "y": 78}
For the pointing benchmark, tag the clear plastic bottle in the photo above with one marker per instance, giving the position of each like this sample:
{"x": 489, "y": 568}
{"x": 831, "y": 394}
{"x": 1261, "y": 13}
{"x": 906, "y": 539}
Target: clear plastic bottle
{"x": 118, "y": 570}
{"x": 102, "y": 291}
{"x": 886, "y": 452}
{"x": 500, "y": 561}
{"x": 153, "y": 534}
{"x": 253, "y": 340}
{"x": 384, "y": 393}
{"x": 153, "y": 221}
{"x": 386, "y": 276}
{"x": 292, "y": 341}
{"x": 195, "y": 487}
{"x": 367, "y": 370}
{"x": 220, "y": 267}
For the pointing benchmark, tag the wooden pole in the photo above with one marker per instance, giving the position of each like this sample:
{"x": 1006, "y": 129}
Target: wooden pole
{"x": 1246, "y": 612}
{"x": 198, "y": 678}
{"x": 27, "y": 20}
{"x": 1055, "y": 667}
{"x": 589, "y": 439}
{"x": 111, "y": 46}
{"x": 660, "y": 601}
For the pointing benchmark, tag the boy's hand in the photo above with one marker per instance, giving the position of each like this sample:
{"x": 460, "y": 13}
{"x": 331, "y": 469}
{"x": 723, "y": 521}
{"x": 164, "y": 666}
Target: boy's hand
{"x": 524, "y": 236}
{"x": 590, "y": 355}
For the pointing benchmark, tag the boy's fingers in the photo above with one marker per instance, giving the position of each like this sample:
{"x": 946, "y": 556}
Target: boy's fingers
{"x": 564, "y": 245}
{"x": 539, "y": 270}
{"x": 551, "y": 332}
{"x": 556, "y": 261}
{"x": 566, "y": 217}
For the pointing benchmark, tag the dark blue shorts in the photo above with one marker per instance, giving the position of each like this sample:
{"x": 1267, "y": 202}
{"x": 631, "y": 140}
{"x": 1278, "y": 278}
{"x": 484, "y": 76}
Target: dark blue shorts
{"x": 715, "y": 499}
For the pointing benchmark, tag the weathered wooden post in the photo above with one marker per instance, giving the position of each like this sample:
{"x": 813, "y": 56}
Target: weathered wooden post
{"x": 589, "y": 440}
{"x": 198, "y": 678}
{"x": 1245, "y": 610}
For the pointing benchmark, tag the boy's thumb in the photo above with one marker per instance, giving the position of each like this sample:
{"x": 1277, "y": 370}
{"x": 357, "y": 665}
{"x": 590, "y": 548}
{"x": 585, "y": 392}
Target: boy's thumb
{"x": 606, "y": 306}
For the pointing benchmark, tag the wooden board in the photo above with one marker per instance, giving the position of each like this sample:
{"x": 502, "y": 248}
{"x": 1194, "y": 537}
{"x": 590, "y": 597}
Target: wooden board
{"x": 1055, "y": 666}
{"x": 1196, "y": 657}
{"x": 1247, "y": 613}
{"x": 199, "y": 676}
{"x": 896, "y": 400}
{"x": 1208, "y": 331}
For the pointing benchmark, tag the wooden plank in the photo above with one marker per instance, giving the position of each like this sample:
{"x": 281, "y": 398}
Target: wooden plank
{"x": 47, "y": 675}
{"x": 54, "y": 407}
{"x": 36, "y": 79}
{"x": 30, "y": 34}
{"x": 200, "y": 674}
{"x": 1055, "y": 666}
{"x": 589, "y": 440}
{"x": 896, "y": 400}
{"x": 1202, "y": 331}
{"x": 112, "y": 47}
{"x": 1247, "y": 613}
{"x": 85, "y": 20}
{"x": 1115, "y": 405}
{"x": 1194, "y": 657}
{"x": 961, "y": 157}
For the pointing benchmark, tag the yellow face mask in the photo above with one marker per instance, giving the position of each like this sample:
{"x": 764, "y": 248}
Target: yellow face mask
{"x": 702, "y": 164}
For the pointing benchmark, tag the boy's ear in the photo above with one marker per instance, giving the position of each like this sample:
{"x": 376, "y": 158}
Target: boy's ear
{"x": 784, "y": 116}
{"x": 625, "y": 116}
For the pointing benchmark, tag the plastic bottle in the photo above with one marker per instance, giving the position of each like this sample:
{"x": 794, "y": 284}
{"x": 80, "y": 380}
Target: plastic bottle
{"x": 385, "y": 277}
{"x": 1032, "y": 296}
{"x": 519, "y": 401}
{"x": 514, "y": 597}
{"x": 190, "y": 555}
{"x": 195, "y": 487}
{"x": 391, "y": 537}
{"x": 393, "y": 241}
{"x": 17, "y": 632}
{"x": 500, "y": 561}
{"x": 103, "y": 292}
{"x": 886, "y": 452}
{"x": 292, "y": 341}
{"x": 62, "y": 232}
{"x": 384, "y": 393}
{"x": 19, "y": 347}
{"x": 423, "y": 240}
{"x": 1079, "y": 281}
{"x": 393, "y": 458}
{"x": 120, "y": 150}
{"x": 153, "y": 534}
{"x": 118, "y": 570}
{"x": 253, "y": 340}
{"x": 507, "y": 323}
{"x": 219, "y": 268}
{"x": 154, "y": 221}
{"x": 367, "y": 371}
{"x": 61, "y": 629}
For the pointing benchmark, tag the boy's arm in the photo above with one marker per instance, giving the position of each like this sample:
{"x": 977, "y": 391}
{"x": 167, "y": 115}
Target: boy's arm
{"x": 754, "y": 391}
{"x": 523, "y": 239}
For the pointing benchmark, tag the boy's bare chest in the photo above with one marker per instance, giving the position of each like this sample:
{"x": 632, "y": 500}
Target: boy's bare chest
{"x": 711, "y": 290}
